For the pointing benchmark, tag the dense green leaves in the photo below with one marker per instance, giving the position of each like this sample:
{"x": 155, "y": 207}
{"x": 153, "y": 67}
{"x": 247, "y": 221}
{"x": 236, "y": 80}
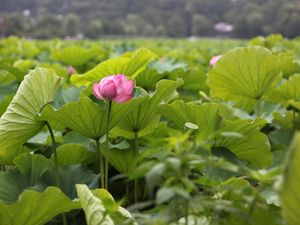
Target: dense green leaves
{"x": 19, "y": 122}
{"x": 130, "y": 64}
{"x": 290, "y": 196}
{"x": 241, "y": 137}
{"x": 244, "y": 72}
{"x": 206, "y": 158}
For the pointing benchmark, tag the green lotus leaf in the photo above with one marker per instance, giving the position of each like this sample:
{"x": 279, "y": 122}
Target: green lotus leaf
{"x": 31, "y": 172}
{"x": 246, "y": 199}
{"x": 75, "y": 55}
{"x": 143, "y": 117}
{"x": 128, "y": 64}
{"x": 71, "y": 154}
{"x": 87, "y": 117}
{"x": 157, "y": 70}
{"x": 213, "y": 121}
{"x": 288, "y": 93}
{"x": 19, "y": 123}
{"x": 124, "y": 160}
{"x": 36, "y": 172}
{"x": 244, "y": 73}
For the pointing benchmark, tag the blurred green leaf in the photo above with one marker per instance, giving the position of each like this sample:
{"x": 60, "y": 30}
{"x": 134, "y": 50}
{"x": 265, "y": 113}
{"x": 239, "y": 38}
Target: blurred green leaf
{"x": 97, "y": 207}
{"x": 251, "y": 144}
{"x": 74, "y": 55}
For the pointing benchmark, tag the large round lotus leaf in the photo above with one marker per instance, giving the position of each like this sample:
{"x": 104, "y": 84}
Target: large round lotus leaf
{"x": 247, "y": 72}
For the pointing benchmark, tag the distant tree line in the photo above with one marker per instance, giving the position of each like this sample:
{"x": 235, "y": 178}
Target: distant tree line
{"x": 170, "y": 18}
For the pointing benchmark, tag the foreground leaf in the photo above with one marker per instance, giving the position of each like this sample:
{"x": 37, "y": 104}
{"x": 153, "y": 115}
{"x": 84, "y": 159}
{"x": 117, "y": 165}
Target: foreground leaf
{"x": 289, "y": 193}
{"x": 35, "y": 172}
{"x": 19, "y": 123}
{"x": 101, "y": 209}
{"x": 34, "y": 208}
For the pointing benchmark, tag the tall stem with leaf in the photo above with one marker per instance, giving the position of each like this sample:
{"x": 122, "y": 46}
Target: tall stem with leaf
{"x": 56, "y": 170}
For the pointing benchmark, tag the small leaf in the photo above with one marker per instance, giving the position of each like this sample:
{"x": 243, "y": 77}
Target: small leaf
{"x": 191, "y": 126}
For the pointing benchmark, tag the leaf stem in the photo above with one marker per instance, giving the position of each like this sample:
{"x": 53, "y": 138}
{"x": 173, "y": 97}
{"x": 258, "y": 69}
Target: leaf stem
{"x": 136, "y": 150}
{"x": 107, "y": 143}
{"x": 56, "y": 171}
{"x": 100, "y": 164}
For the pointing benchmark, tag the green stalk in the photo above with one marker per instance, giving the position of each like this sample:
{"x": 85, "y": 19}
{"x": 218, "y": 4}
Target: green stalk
{"x": 100, "y": 164}
{"x": 107, "y": 143}
{"x": 136, "y": 183}
{"x": 56, "y": 171}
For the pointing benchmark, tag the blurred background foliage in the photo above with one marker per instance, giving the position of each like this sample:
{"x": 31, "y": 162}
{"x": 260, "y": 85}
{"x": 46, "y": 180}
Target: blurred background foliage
{"x": 164, "y": 18}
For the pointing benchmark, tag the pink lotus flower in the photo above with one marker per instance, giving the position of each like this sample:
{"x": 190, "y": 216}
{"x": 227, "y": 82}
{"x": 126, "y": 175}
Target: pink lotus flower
{"x": 114, "y": 88}
{"x": 214, "y": 60}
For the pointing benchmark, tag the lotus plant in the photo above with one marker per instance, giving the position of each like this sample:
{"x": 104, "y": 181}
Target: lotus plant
{"x": 114, "y": 88}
